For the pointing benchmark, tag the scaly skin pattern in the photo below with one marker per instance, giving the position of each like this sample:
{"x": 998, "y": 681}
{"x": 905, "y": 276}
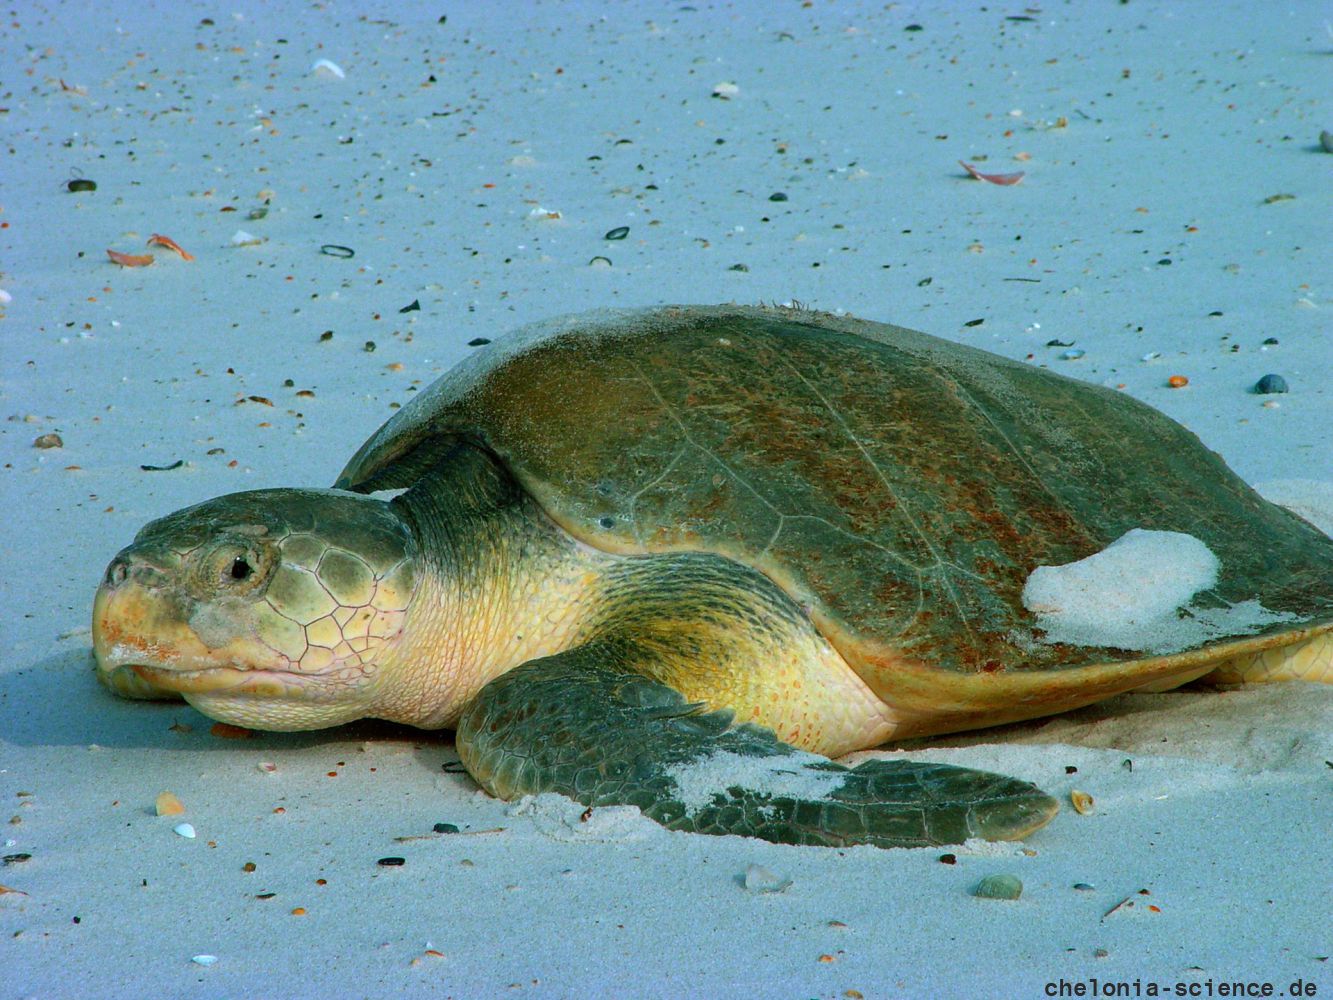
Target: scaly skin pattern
{"x": 266, "y": 608}
{"x": 506, "y": 587}
{"x": 588, "y": 724}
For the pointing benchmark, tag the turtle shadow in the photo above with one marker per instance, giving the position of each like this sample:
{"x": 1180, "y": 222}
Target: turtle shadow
{"x": 57, "y": 701}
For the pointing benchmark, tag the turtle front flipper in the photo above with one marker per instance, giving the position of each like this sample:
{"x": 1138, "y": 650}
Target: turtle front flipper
{"x": 583, "y": 724}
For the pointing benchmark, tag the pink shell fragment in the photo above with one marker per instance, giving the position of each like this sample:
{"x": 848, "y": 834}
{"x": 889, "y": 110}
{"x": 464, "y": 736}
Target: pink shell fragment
{"x": 992, "y": 178}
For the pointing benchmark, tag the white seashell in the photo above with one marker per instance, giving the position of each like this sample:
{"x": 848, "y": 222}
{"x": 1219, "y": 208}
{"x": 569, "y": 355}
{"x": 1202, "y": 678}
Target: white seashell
{"x": 204, "y": 959}
{"x": 759, "y": 879}
{"x": 184, "y": 830}
{"x": 327, "y": 67}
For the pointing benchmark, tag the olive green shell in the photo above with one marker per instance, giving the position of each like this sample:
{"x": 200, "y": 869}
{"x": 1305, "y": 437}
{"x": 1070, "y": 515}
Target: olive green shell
{"x": 898, "y": 486}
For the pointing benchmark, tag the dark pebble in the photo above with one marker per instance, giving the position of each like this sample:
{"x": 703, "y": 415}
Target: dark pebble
{"x": 15, "y": 859}
{"x": 368, "y": 347}
{"x": 1070, "y": 769}
{"x": 478, "y": 341}
{"x": 391, "y": 862}
{"x": 739, "y": 267}
{"x": 948, "y": 859}
{"x": 81, "y": 184}
{"x": 975, "y": 322}
{"x": 413, "y": 306}
{"x": 1269, "y": 384}
{"x": 1084, "y": 886}
{"x": 619, "y": 233}
{"x": 163, "y": 468}
{"x": 1270, "y": 341}
{"x": 777, "y": 196}
{"x": 1059, "y": 343}
{"x": 444, "y": 828}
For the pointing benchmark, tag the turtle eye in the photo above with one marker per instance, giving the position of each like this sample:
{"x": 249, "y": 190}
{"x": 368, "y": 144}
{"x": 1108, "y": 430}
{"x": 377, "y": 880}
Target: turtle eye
{"x": 235, "y": 568}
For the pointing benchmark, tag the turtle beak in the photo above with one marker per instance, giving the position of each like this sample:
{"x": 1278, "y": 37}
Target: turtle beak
{"x": 129, "y": 606}
{"x": 145, "y": 646}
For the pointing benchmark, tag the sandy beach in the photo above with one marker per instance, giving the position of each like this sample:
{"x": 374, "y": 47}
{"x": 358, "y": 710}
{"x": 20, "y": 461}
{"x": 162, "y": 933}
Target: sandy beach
{"x": 364, "y": 190}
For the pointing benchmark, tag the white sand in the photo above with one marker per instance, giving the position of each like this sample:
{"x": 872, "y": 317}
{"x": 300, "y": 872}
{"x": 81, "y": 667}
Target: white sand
{"x": 1152, "y": 135}
{"x": 1130, "y": 595}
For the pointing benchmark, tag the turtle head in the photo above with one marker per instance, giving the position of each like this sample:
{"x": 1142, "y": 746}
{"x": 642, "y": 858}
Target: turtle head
{"x": 265, "y": 609}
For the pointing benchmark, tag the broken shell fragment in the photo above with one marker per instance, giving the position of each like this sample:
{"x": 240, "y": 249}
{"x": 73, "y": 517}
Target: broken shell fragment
{"x": 1082, "y": 802}
{"x": 168, "y": 805}
{"x": 759, "y": 879}
{"x": 999, "y": 887}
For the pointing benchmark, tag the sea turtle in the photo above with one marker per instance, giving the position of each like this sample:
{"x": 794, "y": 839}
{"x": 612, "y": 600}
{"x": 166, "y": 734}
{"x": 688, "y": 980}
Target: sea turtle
{"x": 679, "y": 558}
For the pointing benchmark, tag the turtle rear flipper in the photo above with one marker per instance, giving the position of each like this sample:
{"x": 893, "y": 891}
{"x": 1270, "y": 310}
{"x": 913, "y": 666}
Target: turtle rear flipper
{"x": 583, "y": 724}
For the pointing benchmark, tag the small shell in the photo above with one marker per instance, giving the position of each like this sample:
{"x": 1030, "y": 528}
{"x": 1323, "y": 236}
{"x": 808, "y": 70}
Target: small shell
{"x": 759, "y": 879}
{"x": 168, "y": 805}
{"x": 1002, "y": 179}
{"x": 204, "y": 959}
{"x": 1177, "y": 381}
{"x": 129, "y": 259}
{"x": 327, "y": 67}
{"x": 1082, "y": 802}
{"x": 999, "y": 887}
{"x": 157, "y": 239}
{"x": 1073, "y": 354}
{"x": 184, "y": 830}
